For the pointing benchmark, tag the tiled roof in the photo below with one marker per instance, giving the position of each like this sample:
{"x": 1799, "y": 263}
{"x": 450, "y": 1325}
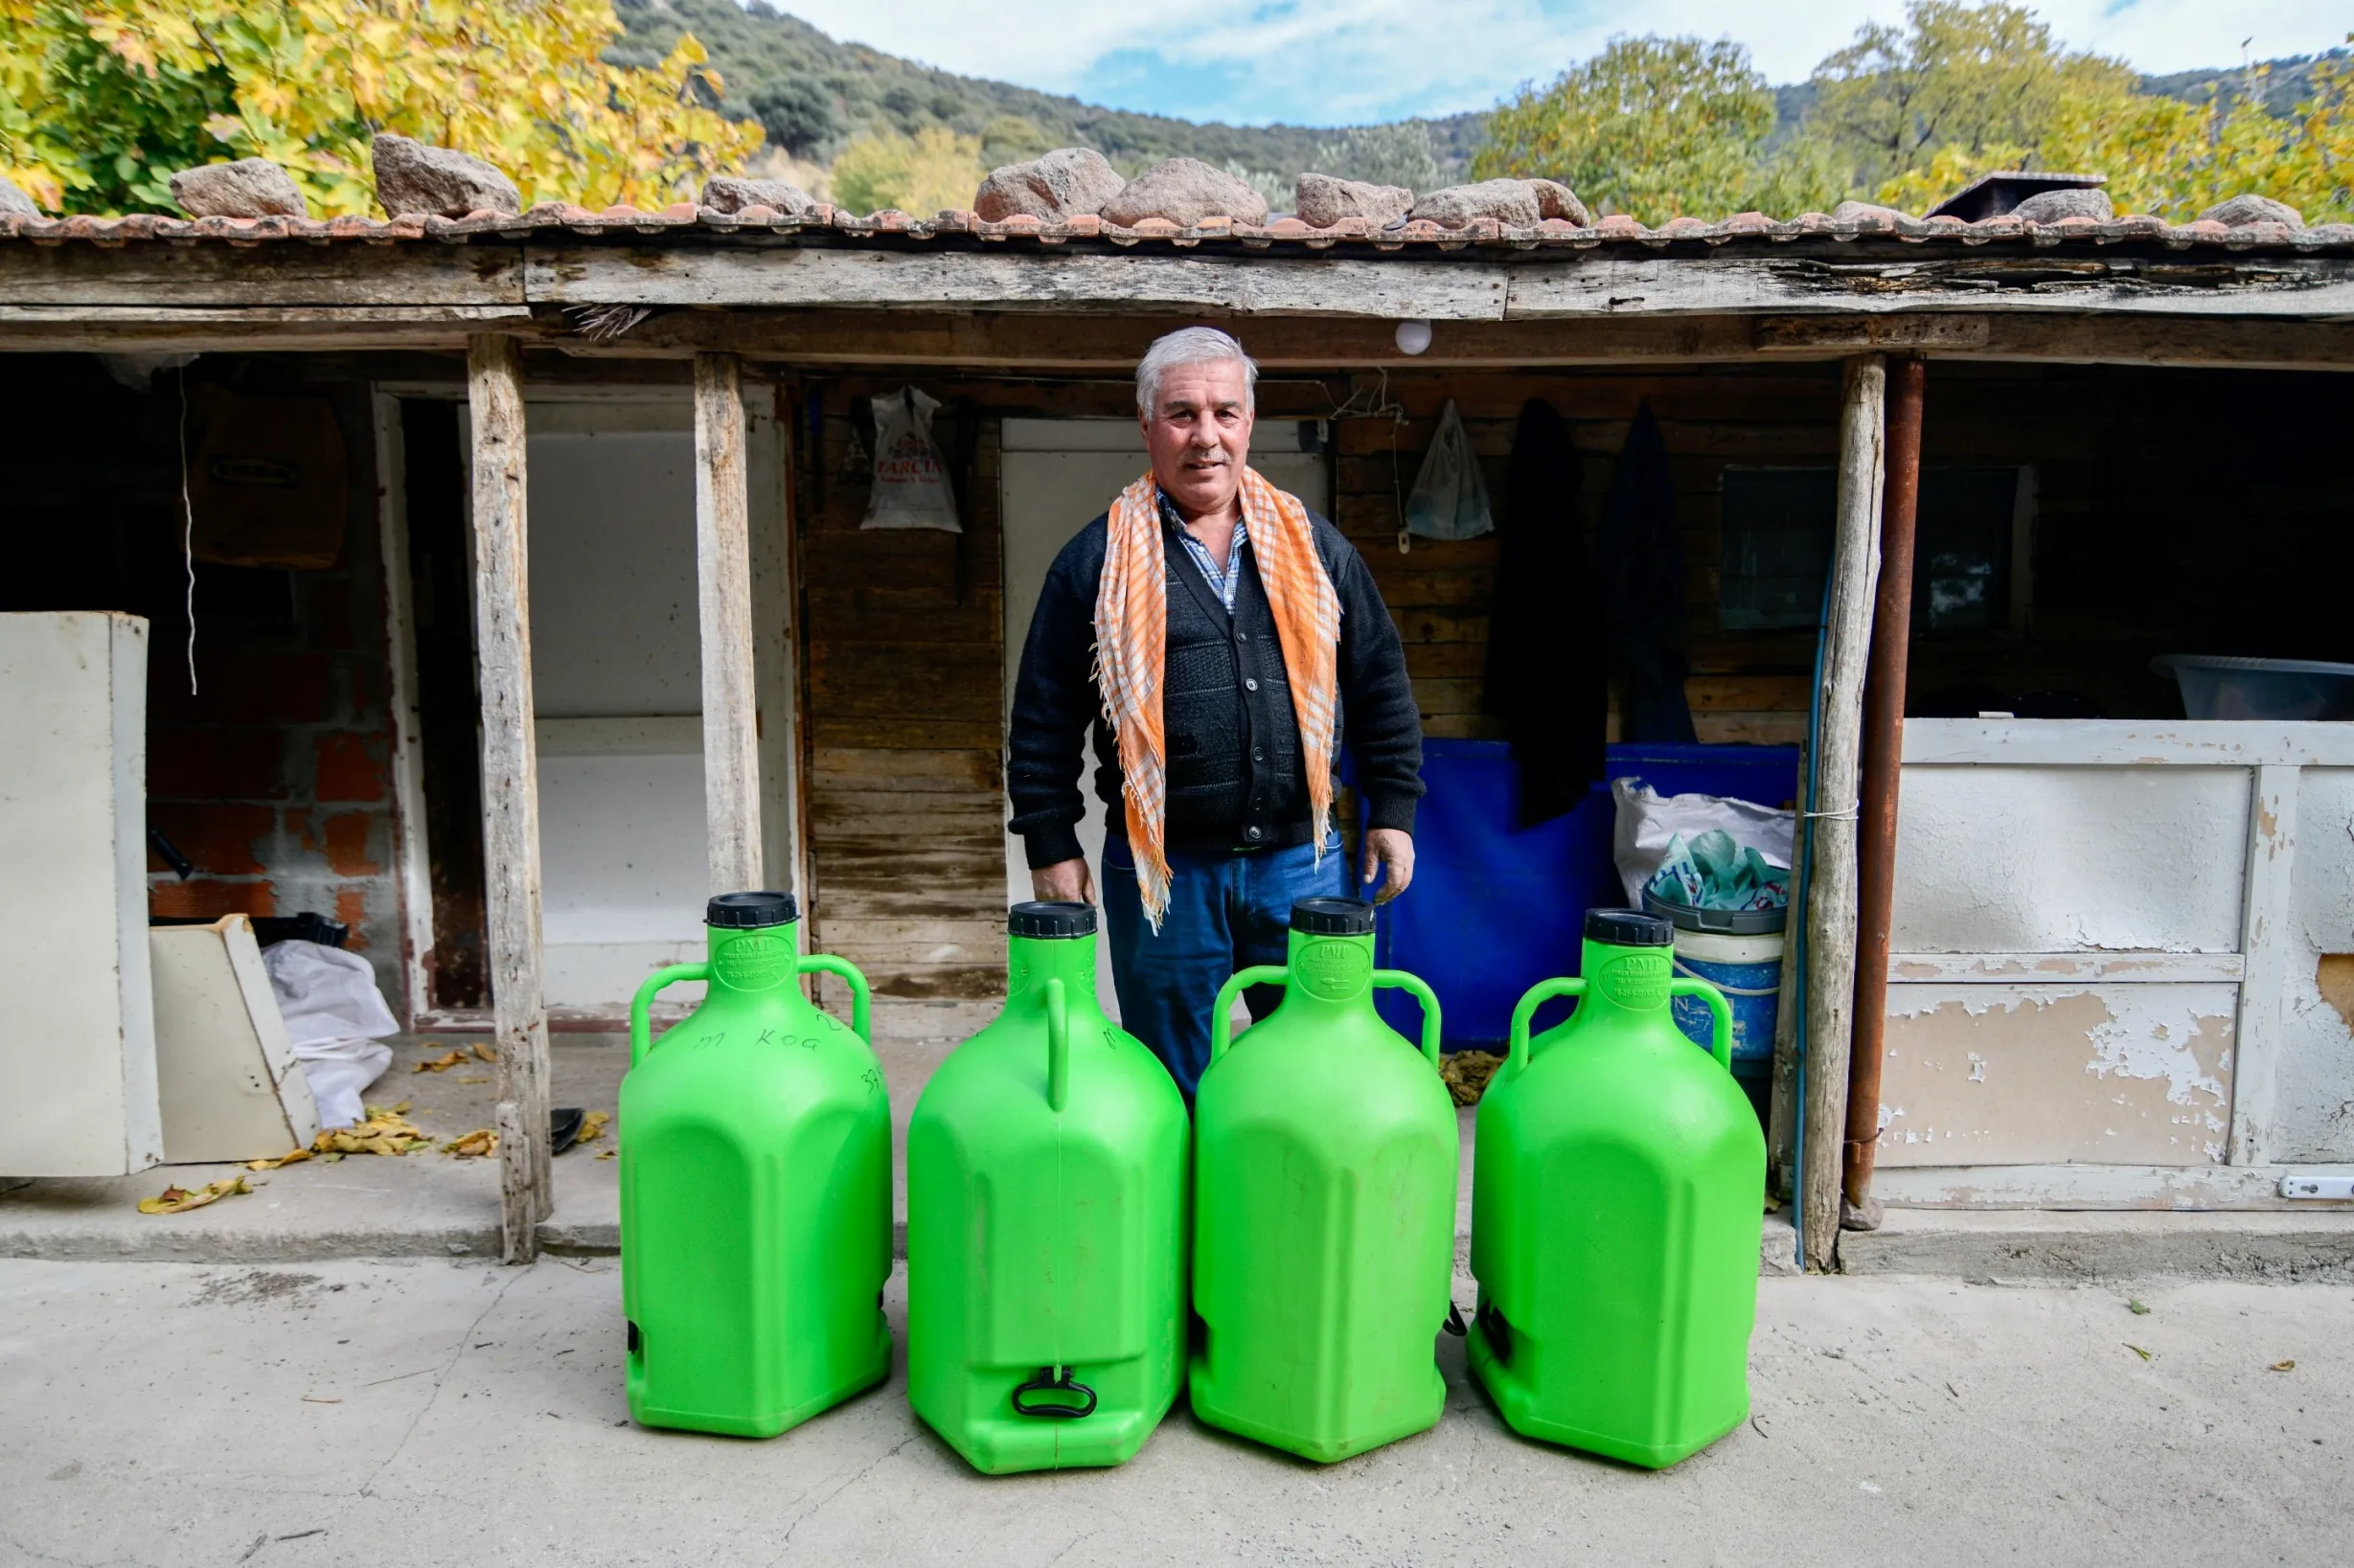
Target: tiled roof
{"x": 685, "y": 221}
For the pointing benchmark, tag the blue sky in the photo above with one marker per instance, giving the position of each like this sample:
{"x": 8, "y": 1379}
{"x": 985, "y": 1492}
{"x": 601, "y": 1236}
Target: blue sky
{"x": 1341, "y": 62}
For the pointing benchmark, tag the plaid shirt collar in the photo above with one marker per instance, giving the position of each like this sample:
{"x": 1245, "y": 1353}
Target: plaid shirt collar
{"x": 1223, "y": 583}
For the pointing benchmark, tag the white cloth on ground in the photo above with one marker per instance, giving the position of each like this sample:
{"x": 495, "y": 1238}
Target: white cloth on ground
{"x": 335, "y": 1019}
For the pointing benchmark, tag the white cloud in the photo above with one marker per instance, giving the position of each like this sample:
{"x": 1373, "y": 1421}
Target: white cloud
{"x": 1322, "y": 61}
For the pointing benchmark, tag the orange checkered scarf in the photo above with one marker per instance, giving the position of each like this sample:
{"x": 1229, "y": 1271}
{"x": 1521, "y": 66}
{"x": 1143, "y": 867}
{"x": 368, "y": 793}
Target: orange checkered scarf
{"x": 1132, "y": 641}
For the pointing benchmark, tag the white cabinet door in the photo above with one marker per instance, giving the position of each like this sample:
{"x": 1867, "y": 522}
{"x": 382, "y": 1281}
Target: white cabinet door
{"x": 77, "y": 1093}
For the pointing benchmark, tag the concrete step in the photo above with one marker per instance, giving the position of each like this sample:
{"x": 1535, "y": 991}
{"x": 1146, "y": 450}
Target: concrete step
{"x": 434, "y": 1205}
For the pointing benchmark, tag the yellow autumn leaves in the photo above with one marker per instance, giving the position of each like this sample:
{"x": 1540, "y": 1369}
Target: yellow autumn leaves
{"x": 306, "y": 84}
{"x": 2174, "y": 159}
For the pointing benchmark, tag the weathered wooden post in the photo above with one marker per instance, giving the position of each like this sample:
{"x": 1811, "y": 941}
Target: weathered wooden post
{"x": 723, "y": 562}
{"x": 1881, "y": 768}
{"x": 509, "y": 788}
{"x": 1831, "y": 888}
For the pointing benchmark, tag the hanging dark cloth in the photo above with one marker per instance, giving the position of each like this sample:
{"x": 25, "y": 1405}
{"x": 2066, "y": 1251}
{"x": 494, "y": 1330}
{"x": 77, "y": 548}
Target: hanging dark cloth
{"x": 1643, "y": 571}
{"x": 1547, "y": 677}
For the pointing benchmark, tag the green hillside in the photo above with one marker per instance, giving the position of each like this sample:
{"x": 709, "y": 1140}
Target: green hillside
{"x": 771, "y": 62}
{"x": 814, "y": 94}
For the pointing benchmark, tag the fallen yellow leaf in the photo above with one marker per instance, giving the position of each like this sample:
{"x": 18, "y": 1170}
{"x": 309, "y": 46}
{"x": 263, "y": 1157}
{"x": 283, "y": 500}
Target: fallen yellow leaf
{"x": 475, "y": 1079}
{"x": 442, "y": 1063}
{"x": 2284, "y": 1366}
{"x": 484, "y": 1053}
{"x": 607, "y": 1153}
{"x": 384, "y": 1132}
{"x": 179, "y": 1200}
{"x": 1466, "y": 1074}
{"x": 592, "y": 1126}
{"x": 287, "y": 1158}
{"x": 480, "y": 1141}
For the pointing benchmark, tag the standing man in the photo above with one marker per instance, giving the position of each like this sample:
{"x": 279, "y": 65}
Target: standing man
{"x": 1214, "y": 634}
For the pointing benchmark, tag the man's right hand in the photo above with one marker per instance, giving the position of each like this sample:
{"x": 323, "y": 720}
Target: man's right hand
{"x": 1065, "y": 883}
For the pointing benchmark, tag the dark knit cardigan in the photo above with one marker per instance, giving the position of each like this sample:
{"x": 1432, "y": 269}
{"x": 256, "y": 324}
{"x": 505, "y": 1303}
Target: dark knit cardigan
{"x": 1232, "y": 743}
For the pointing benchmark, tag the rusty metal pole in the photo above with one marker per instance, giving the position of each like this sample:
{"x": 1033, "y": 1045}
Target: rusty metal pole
{"x": 1884, "y": 743}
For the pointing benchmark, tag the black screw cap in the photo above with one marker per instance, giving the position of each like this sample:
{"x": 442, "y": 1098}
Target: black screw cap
{"x": 1050, "y": 920}
{"x": 1333, "y": 918}
{"x": 751, "y": 911}
{"x": 1628, "y": 928}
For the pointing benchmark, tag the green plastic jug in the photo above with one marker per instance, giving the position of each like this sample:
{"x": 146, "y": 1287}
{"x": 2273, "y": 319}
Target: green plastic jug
{"x": 1616, "y": 1213}
{"x": 754, "y": 1189}
{"x": 1324, "y": 1204}
{"x": 1045, "y": 1223}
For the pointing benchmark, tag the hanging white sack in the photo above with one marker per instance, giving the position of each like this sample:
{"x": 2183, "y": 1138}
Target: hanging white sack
{"x": 911, "y": 479}
{"x": 1449, "y": 498}
{"x": 1648, "y": 821}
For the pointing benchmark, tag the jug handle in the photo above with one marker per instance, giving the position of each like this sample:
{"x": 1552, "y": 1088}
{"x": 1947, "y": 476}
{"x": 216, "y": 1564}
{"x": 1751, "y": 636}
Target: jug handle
{"x": 1221, "y": 1019}
{"x": 1719, "y": 1018}
{"x": 1058, "y": 1048}
{"x": 1400, "y": 980}
{"x": 861, "y": 1002}
{"x": 1517, "y": 1049}
{"x": 641, "y": 1021}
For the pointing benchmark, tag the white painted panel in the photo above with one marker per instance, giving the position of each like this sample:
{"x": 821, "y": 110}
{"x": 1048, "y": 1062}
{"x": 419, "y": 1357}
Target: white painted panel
{"x": 77, "y": 1079}
{"x": 2313, "y": 1118}
{"x": 623, "y": 862}
{"x": 2055, "y": 859}
{"x": 230, "y": 1087}
{"x": 615, "y": 619}
{"x": 601, "y": 976}
{"x": 2132, "y": 743}
{"x": 617, "y": 674}
{"x": 2111, "y": 1073}
{"x": 1055, "y": 476}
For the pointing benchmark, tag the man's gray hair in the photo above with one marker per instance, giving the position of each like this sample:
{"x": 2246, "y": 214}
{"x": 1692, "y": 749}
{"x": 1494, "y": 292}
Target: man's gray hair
{"x": 1191, "y": 345}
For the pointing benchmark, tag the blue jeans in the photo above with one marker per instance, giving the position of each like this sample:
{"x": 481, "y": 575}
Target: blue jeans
{"x": 1227, "y": 912}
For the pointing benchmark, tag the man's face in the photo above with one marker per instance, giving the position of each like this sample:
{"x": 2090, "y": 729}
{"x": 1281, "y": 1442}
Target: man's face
{"x": 1199, "y": 434}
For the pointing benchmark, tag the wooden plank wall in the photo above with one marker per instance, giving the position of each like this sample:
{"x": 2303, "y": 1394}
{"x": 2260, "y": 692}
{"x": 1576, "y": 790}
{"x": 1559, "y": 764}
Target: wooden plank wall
{"x": 905, "y": 791}
{"x": 1745, "y": 686}
{"x": 2170, "y": 503}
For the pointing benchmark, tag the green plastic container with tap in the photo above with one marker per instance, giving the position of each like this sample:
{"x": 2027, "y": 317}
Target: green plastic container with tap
{"x": 755, "y": 1188}
{"x": 1325, "y": 1151}
{"x": 1047, "y": 1168}
{"x": 1616, "y": 1208}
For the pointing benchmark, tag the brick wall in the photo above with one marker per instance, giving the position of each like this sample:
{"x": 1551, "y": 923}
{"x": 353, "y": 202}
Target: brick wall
{"x": 274, "y": 777}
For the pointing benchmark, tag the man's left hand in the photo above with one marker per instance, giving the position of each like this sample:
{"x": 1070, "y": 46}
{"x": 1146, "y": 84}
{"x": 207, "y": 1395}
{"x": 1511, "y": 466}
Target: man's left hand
{"x": 1390, "y": 855}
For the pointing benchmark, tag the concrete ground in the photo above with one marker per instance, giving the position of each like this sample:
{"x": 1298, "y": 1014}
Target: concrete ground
{"x": 457, "y": 1412}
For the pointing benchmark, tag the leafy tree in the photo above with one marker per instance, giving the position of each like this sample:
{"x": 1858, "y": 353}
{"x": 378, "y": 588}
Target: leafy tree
{"x": 798, "y": 115}
{"x": 104, "y": 99}
{"x": 1399, "y": 154}
{"x": 2173, "y": 159}
{"x": 1970, "y": 78}
{"x": 923, "y": 174}
{"x": 1658, "y": 128}
{"x": 1274, "y": 189}
{"x": 1012, "y": 139}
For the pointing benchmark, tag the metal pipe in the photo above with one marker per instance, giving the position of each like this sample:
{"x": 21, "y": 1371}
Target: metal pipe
{"x": 1883, "y": 741}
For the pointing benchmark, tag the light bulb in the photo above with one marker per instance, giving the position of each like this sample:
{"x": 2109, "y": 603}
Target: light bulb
{"x": 1413, "y": 336}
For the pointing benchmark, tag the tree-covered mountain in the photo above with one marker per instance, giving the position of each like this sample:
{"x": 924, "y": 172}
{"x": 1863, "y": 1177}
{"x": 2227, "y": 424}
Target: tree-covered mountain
{"x": 815, "y": 94}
